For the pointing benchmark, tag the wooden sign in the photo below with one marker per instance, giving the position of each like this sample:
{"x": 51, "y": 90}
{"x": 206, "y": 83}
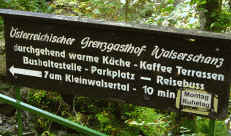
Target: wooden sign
{"x": 173, "y": 70}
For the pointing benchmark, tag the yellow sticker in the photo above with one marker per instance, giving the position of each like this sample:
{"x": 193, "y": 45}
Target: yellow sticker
{"x": 196, "y": 101}
{"x": 196, "y": 98}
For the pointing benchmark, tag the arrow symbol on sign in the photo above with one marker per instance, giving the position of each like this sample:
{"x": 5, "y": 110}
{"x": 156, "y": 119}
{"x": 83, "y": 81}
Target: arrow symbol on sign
{"x": 26, "y": 72}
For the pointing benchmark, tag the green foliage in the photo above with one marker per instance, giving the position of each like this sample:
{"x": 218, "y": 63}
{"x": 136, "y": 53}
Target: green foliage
{"x": 49, "y": 101}
{"x": 116, "y": 119}
{"x": 148, "y": 121}
{"x": 182, "y": 15}
{"x": 26, "y": 5}
{"x": 202, "y": 125}
{"x": 223, "y": 21}
{"x": 105, "y": 120}
{"x": 45, "y": 99}
{"x": 99, "y": 114}
{"x": 217, "y": 20}
{"x": 199, "y": 3}
{"x": 108, "y": 10}
{"x": 1, "y": 27}
{"x": 113, "y": 10}
{"x": 7, "y": 133}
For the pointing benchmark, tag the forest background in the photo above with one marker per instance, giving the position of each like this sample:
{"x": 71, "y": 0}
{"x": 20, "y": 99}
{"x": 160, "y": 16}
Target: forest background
{"x": 114, "y": 118}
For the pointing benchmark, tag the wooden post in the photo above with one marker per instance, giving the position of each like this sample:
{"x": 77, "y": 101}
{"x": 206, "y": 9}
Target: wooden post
{"x": 176, "y": 130}
{"x": 212, "y": 127}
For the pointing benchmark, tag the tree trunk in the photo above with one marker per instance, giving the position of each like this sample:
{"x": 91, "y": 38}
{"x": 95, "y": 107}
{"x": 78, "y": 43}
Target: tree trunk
{"x": 212, "y": 12}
